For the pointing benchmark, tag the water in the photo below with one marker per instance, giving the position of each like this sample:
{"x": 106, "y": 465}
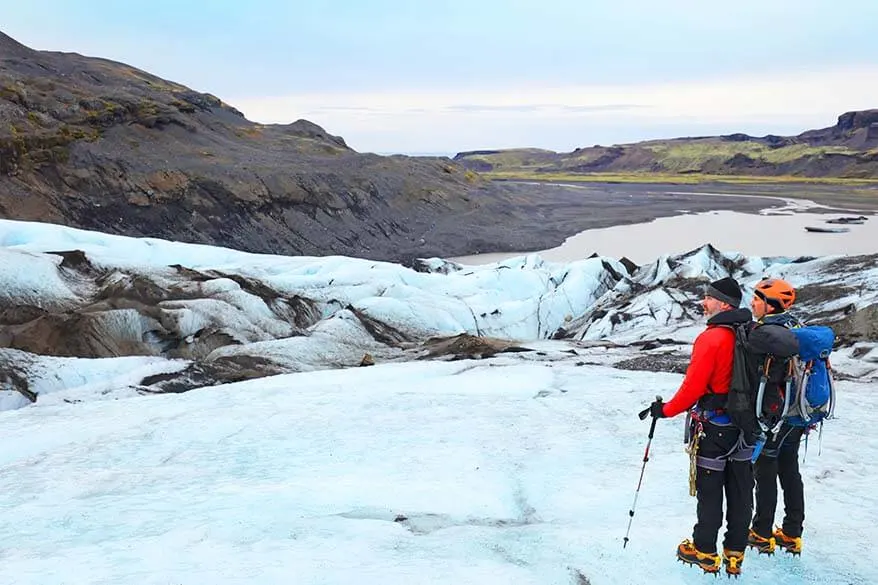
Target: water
{"x": 768, "y": 234}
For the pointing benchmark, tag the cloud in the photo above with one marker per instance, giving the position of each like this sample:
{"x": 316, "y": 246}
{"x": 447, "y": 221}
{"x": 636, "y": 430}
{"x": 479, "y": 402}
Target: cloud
{"x": 562, "y": 117}
{"x": 401, "y": 110}
{"x": 534, "y": 108}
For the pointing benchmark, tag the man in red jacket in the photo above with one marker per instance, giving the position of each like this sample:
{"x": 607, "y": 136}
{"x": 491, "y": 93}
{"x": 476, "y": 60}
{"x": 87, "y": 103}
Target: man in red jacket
{"x": 723, "y": 461}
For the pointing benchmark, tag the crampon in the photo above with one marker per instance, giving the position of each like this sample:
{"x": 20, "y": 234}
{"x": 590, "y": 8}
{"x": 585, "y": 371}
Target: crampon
{"x": 733, "y": 560}
{"x": 792, "y": 545}
{"x": 762, "y": 545}
{"x": 707, "y": 562}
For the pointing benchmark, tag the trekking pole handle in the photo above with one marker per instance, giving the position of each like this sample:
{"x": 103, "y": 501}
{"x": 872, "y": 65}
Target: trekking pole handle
{"x": 651, "y": 433}
{"x": 645, "y": 412}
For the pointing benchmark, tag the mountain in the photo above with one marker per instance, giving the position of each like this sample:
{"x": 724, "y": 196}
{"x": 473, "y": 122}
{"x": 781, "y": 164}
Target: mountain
{"x": 97, "y": 144}
{"x": 847, "y": 150}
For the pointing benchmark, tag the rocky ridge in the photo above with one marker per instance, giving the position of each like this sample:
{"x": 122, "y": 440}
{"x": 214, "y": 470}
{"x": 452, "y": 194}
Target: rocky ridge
{"x": 97, "y": 144}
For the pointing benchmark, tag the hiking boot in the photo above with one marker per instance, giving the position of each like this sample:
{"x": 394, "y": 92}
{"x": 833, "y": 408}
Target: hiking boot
{"x": 764, "y": 546}
{"x": 707, "y": 562}
{"x": 733, "y": 559}
{"x": 788, "y": 543}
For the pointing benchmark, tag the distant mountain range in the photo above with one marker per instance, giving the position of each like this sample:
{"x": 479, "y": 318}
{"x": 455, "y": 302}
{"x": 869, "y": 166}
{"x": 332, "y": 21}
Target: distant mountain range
{"x": 847, "y": 150}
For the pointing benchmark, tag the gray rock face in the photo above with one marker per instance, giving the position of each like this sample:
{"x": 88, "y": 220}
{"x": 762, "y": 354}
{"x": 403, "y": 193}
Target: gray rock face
{"x": 100, "y": 145}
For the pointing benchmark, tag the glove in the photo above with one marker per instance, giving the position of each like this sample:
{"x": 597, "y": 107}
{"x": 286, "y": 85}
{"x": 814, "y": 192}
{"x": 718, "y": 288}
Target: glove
{"x": 656, "y": 409}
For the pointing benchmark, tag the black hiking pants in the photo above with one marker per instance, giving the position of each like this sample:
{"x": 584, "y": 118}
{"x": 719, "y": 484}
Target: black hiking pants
{"x": 734, "y": 482}
{"x": 780, "y": 460}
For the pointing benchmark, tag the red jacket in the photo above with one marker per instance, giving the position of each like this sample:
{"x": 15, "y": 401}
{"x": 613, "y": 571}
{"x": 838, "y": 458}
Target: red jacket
{"x": 710, "y": 368}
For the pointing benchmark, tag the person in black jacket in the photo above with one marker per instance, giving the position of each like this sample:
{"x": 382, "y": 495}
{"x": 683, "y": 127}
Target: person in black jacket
{"x": 780, "y": 456}
{"x": 724, "y": 473}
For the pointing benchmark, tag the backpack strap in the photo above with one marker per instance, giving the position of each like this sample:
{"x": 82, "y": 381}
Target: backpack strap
{"x": 830, "y": 412}
{"x": 807, "y": 413}
{"x": 789, "y": 381}
{"x": 804, "y": 407}
{"x": 760, "y": 393}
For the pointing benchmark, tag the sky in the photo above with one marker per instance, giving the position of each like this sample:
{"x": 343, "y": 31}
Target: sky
{"x": 452, "y": 75}
{"x": 519, "y": 469}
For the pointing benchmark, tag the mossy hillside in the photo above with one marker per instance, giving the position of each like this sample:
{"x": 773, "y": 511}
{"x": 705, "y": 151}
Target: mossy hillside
{"x": 695, "y": 155}
{"x": 848, "y": 150}
{"x": 672, "y": 178}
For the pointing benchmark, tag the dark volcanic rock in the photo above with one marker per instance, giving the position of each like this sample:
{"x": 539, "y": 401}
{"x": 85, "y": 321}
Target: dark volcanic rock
{"x": 853, "y": 129}
{"x": 676, "y": 364}
{"x": 466, "y": 346}
{"x": 859, "y": 325}
{"x": 854, "y": 120}
{"x": 220, "y": 371}
{"x": 736, "y": 137}
{"x": 101, "y": 145}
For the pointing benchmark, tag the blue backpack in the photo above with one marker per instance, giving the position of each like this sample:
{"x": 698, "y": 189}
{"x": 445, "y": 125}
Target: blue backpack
{"x": 814, "y": 397}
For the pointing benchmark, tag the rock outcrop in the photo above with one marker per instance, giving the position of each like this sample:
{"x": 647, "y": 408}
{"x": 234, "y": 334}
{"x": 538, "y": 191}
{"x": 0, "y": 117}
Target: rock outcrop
{"x": 96, "y": 144}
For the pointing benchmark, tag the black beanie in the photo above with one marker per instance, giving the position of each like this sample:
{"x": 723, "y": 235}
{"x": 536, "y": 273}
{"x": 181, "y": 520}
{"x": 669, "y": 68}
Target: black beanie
{"x": 726, "y": 290}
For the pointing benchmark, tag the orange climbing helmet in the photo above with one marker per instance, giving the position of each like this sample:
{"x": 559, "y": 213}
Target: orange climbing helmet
{"x": 776, "y": 292}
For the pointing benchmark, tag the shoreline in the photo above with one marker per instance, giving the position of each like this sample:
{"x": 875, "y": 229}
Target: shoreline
{"x": 527, "y": 215}
{"x": 693, "y": 180}
{"x": 794, "y": 203}
{"x": 727, "y": 231}
{"x": 862, "y": 196}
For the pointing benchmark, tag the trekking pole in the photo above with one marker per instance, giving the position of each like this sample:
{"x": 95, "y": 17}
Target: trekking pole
{"x": 643, "y": 414}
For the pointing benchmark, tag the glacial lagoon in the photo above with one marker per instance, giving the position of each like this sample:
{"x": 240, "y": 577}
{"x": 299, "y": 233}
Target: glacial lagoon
{"x": 772, "y": 233}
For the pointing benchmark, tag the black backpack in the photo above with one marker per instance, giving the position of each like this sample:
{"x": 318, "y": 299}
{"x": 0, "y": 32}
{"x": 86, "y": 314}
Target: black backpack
{"x": 763, "y": 378}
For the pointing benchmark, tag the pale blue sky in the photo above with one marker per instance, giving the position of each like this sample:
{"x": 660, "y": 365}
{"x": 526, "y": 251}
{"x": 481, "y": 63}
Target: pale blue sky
{"x": 449, "y": 75}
